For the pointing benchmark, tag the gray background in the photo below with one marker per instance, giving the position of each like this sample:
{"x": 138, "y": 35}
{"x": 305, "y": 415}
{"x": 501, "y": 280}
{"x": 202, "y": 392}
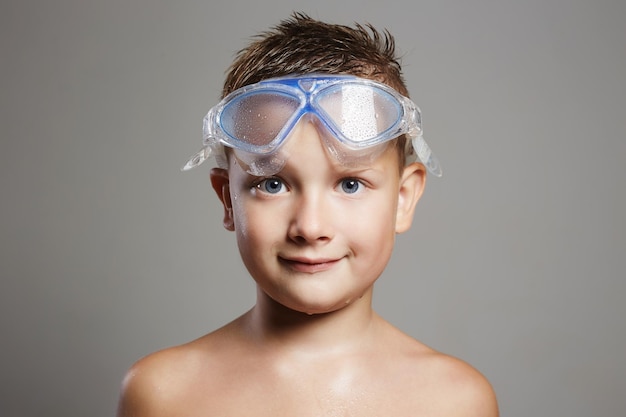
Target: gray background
{"x": 515, "y": 263}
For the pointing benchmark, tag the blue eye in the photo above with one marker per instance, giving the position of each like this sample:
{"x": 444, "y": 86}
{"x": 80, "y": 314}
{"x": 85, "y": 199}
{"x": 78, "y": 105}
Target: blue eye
{"x": 350, "y": 185}
{"x": 271, "y": 186}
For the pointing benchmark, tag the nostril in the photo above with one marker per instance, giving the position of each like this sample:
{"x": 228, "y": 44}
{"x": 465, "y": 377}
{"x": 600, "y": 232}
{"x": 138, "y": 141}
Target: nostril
{"x": 309, "y": 227}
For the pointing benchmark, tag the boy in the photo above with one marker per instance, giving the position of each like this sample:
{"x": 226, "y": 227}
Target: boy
{"x": 315, "y": 143}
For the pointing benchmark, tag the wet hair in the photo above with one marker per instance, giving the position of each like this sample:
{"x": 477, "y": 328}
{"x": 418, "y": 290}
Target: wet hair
{"x": 301, "y": 45}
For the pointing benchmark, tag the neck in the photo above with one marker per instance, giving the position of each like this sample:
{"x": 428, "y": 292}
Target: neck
{"x": 275, "y": 325}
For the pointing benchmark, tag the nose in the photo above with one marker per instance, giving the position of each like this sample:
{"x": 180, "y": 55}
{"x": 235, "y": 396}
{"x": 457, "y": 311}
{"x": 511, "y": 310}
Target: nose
{"x": 312, "y": 219}
{"x": 312, "y": 214}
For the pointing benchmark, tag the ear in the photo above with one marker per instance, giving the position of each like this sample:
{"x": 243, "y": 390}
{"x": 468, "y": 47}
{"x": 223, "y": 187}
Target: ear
{"x": 221, "y": 184}
{"x": 412, "y": 183}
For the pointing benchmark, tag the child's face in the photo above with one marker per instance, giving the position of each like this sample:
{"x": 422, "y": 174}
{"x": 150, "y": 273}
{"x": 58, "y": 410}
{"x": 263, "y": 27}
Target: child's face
{"x": 318, "y": 234}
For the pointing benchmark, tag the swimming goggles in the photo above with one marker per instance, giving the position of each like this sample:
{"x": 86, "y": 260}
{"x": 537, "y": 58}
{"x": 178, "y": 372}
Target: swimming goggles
{"x": 357, "y": 116}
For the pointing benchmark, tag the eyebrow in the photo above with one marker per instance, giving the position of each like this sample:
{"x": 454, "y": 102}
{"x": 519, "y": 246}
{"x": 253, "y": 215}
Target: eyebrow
{"x": 357, "y": 169}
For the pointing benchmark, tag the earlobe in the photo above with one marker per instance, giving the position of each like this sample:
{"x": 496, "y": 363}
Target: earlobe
{"x": 221, "y": 184}
{"x": 412, "y": 183}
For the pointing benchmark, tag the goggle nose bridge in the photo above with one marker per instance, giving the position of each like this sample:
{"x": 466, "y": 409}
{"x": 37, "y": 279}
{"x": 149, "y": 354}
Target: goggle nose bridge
{"x": 307, "y": 110}
{"x": 307, "y": 85}
{"x": 306, "y": 113}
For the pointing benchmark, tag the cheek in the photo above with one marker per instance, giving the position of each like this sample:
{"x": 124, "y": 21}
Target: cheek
{"x": 373, "y": 227}
{"x": 255, "y": 225}
{"x": 240, "y": 214}
{"x": 249, "y": 237}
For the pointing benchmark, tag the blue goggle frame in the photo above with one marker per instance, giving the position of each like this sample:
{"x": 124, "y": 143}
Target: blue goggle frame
{"x": 385, "y": 113}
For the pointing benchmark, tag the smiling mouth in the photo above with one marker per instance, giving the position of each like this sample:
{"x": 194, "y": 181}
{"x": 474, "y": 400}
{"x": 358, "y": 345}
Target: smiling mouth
{"x": 309, "y": 266}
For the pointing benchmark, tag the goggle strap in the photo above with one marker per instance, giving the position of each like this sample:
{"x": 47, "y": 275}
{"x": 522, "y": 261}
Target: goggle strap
{"x": 426, "y": 156}
{"x": 198, "y": 158}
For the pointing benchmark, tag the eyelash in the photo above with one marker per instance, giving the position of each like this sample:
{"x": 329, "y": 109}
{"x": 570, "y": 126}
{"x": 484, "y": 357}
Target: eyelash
{"x": 352, "y": 181}
{"x": 263, "y": 183}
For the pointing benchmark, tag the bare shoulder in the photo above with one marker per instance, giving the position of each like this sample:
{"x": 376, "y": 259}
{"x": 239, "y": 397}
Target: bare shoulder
{"x": 442, "y": 384}
{"x": 462, "y": 389}
{"x": 151, "y": 386}
{"x": 164, "y": 382}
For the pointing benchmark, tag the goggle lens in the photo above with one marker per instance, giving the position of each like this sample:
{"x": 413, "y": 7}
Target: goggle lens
{"x": 360, "y": 113}
{"x": 357, "y": 114}
{"x": 255, "y": 120}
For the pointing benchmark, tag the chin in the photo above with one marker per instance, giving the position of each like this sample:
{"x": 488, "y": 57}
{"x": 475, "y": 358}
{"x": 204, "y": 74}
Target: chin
{"x": 317, "y": 306}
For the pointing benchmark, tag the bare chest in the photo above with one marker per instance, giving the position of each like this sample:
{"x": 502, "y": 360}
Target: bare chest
{"x": 343, "y": 395}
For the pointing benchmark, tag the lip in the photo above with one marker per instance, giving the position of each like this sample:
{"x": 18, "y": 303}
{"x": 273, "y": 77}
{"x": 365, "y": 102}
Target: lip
{"x": 309, "y": 265}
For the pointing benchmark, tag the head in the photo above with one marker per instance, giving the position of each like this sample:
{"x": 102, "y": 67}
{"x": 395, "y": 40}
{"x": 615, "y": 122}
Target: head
{"x": 317, "y": 234}
{"x": 302, "y": 45}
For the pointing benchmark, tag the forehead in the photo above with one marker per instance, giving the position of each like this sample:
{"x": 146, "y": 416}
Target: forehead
{"x": 304, "y": 151}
